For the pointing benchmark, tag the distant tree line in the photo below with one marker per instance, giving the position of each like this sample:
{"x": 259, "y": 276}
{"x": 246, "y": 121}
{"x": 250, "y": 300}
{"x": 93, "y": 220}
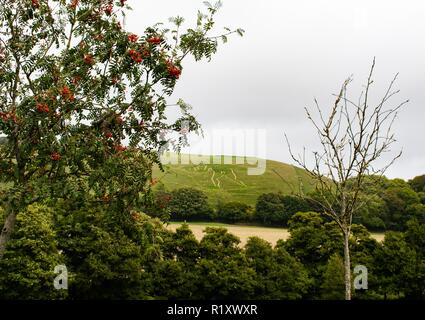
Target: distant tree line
{"x": 387, "y": 205}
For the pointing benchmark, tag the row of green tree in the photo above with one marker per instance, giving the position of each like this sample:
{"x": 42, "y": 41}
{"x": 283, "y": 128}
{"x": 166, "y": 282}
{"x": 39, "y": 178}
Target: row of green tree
{"x": 114, "y": 257}
{"x": 386, "y": 205}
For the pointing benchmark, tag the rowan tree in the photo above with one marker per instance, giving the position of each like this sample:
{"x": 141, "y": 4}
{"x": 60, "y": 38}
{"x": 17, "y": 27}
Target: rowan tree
{"x": 83, "y": 102}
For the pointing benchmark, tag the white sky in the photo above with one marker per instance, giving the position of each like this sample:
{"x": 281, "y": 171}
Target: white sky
{"x": 295, "y": 51}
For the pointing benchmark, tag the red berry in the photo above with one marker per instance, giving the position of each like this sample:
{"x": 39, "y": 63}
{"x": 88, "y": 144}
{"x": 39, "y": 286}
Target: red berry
{"x": 120, "y": 148}
{"x": 135, "y": 56}
{"x": 6, "y": 116}
{"x": 55, "y": 156}
{"x": 108, "y": 8}
{"x": 74, "y": 4}
{"x": 173, "y": 71}
{"x": 35, "y": 3}
{"x": 154, "y": 40}
{"x": 88, "y": 59}
{"x": 66, "y": 93}
{"x": 108, "y": 135}
{"x": 42, "y": 108}
{"x": 123, "y": 2}
{"x": 132, "y": 37}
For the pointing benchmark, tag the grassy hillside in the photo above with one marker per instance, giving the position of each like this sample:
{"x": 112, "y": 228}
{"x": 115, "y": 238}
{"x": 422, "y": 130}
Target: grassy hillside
{"x": 231, "y": 182}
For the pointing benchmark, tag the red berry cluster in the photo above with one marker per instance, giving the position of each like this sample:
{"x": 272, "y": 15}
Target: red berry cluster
{"x": 108, "y": 135}
{"x": 74, "y": 4}
{"x": 6, "y": 116}
{"x": 173, "y": 71}
{"x": 132, "y": 37}
{"x": 136, "y": 56}
{"x": 120, "y": 148}
{"x": 55, "y": 156}
{"x": 35, "y": 3}
{"x": 43, "y": 108}
{"x": 108, "y": 8}
{"x": 154, "y": 40}
{"x": 67, "y": 94}
{"x": 88, "y": 59}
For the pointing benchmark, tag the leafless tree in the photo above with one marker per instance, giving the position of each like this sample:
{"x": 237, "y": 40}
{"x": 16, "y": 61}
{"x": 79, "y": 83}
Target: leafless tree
{"x": 353, "y": 136}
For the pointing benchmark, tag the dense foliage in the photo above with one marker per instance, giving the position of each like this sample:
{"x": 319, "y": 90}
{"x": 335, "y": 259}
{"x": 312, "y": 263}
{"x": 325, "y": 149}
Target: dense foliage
{"x": 189, "y": 204}
{"x": 33, "y": 253}
{"x": 277, "y": 209}
{"x": 143, "y": 260}
{"x": 234, "y": 212}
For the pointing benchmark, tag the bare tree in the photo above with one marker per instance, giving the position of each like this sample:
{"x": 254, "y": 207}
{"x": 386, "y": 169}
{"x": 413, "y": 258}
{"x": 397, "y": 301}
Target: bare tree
{"x": 353, "y": 136}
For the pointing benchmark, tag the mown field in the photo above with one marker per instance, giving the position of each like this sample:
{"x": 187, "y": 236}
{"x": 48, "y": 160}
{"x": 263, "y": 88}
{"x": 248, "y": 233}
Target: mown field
{"x": 231, "y": 182}
{"x": 271, "y": 235}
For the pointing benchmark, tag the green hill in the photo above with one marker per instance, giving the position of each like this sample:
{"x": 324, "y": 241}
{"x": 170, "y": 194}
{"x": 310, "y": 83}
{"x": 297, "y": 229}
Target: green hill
{"x": 231, "y": 182}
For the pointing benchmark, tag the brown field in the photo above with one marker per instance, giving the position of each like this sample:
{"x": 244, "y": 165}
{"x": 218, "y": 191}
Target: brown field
{"x": 271, "y": 235}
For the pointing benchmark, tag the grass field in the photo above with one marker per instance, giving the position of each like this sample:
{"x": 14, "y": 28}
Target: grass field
{"x": 231, "y": 182}
{"x": 271, "y": 235}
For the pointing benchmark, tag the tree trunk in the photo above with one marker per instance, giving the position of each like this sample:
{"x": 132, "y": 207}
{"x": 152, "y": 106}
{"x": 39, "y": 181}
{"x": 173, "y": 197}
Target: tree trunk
{"x": 347, "y": 265}
{"x": 7, "y": 230}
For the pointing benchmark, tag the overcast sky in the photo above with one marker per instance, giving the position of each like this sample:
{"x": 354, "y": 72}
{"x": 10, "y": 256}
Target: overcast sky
{"x": 295, "y": 51}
